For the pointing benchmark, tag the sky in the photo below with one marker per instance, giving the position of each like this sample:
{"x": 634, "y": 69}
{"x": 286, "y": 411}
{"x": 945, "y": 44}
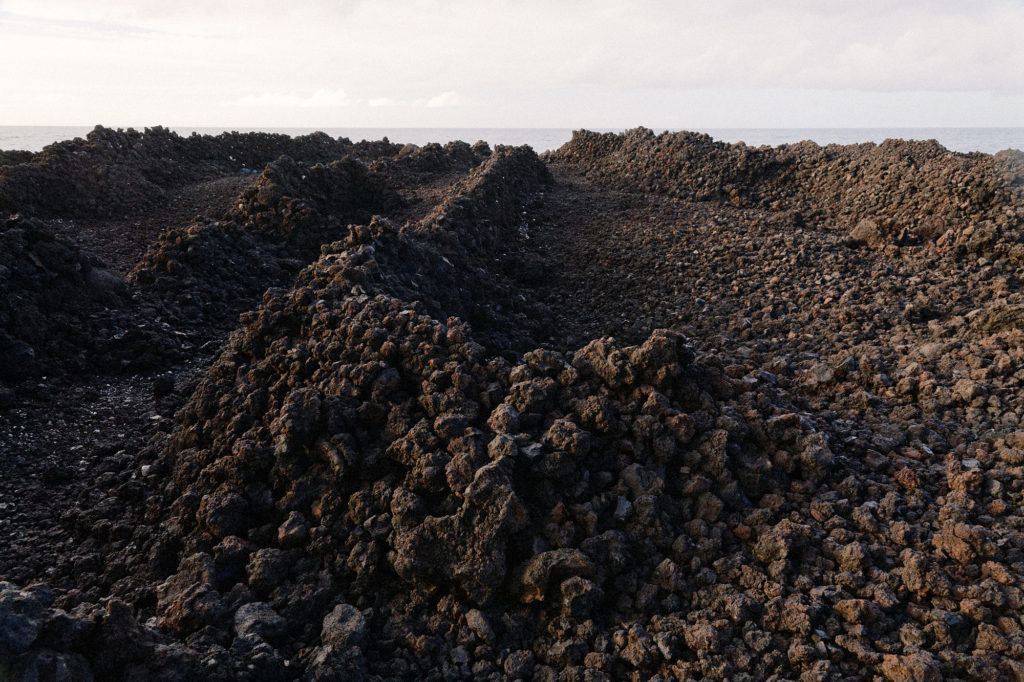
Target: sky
{"x": 512, "y": 63}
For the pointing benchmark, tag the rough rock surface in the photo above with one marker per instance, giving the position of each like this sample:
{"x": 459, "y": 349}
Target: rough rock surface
{"x": 122, "y": 171}
{"x": 205, "y": 272}
{"x": 55, "y": 303}
{"x": 63, "y": 309}
{"x": 528, "y": 426}
{"x": 914, "y": 190}
{"x": 520, "y": 492}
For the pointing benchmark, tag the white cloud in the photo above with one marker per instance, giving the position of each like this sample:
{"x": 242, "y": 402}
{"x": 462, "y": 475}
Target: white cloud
{"x": 448, "y": 98}
{"x": 292, "y": 100}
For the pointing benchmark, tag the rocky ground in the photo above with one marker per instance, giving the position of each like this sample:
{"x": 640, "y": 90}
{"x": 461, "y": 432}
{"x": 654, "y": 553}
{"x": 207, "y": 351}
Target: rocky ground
{"x": 651, "y": 407}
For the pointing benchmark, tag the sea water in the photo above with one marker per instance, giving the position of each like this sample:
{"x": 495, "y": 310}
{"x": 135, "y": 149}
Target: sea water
{"x": 988, "y": 140}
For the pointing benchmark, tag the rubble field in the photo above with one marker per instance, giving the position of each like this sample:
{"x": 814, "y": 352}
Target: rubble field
{"x": 647, "y": 407}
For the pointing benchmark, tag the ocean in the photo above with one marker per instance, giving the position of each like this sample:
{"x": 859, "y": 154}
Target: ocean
{"x": 988, "y": 140}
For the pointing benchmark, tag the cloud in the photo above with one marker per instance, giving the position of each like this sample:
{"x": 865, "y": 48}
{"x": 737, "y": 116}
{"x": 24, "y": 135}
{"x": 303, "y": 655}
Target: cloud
{"x": 448, "y": 98}
{"x": 428, "y": 44}
{"x": 290, "y": 100}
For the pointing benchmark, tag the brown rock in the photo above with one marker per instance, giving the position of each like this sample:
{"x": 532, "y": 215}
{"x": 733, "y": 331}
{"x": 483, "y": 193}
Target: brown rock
{"x": 917, "y": 667}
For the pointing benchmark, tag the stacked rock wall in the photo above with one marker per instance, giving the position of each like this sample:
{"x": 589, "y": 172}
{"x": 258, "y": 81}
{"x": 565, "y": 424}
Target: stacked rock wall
{"x": 112, "y": 172}
{"x": 909, "y": 189}
{"x": 62, "y": 309}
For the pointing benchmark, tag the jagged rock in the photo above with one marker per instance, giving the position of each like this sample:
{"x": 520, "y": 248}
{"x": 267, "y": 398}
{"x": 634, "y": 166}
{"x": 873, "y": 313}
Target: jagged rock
{"x": 258, "y": 618}
{"x": 344, "y": 626}
{"x": 868, "y": 233}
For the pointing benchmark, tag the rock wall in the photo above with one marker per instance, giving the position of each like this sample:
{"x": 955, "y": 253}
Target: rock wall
{"x": 112, "y": 172}
{"x": 63, "y": 310}
{"x": 212, "y": 271}
{"x": 910, "y": 190}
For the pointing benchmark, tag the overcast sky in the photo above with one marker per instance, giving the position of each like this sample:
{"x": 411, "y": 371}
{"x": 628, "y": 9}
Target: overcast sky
{"x": 513, "y": 63}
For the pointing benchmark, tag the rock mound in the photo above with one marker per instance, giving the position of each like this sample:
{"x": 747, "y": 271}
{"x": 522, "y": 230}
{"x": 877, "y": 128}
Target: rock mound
{"x": 354, "y": 465}
{"x": 913, "y": 190}
{"x": 62, "y": 309}
{"x": 210, "y": 272}
{"x": 112, "y": 172}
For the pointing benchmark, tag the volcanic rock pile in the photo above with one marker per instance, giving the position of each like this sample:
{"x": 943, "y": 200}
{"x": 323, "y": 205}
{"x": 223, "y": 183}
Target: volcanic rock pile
{"x": 55, "y": 306}
{"x": 206, "y": 271}
{"x": 113, "y": 171}
{"x": 397, "y": 469}
{"x": 63, "y": 310}
{"x": 385, "y": 474}
{"x": 905, "y": 190}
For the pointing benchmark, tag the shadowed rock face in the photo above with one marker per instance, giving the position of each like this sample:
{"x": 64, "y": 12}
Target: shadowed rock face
{"x": 395, "y": 469}
{"x": 213, "y": 271}
{"x": 47, "y": 287}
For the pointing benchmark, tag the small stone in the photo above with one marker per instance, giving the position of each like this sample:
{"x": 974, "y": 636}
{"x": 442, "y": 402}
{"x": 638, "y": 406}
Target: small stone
{"x": 868, "y": 233}
{"x": 623, "y": 509}
{"x": 345, "y": 626}
{"x": 519, "y": 664}
{"x": 504, "y": 419}
{"x": 580, "y": 598}
{"x": 477, "y": 622}
{"x": 267, "y": 569}
{"x": 857, "y": 611}
{"x": 260, "y": 619}
{"x": 702, "y": 637}
{"x": 293, "y": 532}
{"x": 460, "y": 656}
{"x": 163, "y": 386}
{"x": 917, "y": 667}
{"x": 549, "y": 568}
{"x": 967, "y": 390}
{"x": 852, "y": 557}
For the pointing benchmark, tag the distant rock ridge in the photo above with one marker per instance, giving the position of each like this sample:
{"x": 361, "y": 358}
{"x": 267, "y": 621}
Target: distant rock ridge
{"x": 913, "y": 190}
{"x": 111, "y": 172}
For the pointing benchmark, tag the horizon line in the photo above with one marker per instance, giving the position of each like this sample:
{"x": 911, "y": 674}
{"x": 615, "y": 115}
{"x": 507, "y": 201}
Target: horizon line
{"x": 493, "y": 127}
